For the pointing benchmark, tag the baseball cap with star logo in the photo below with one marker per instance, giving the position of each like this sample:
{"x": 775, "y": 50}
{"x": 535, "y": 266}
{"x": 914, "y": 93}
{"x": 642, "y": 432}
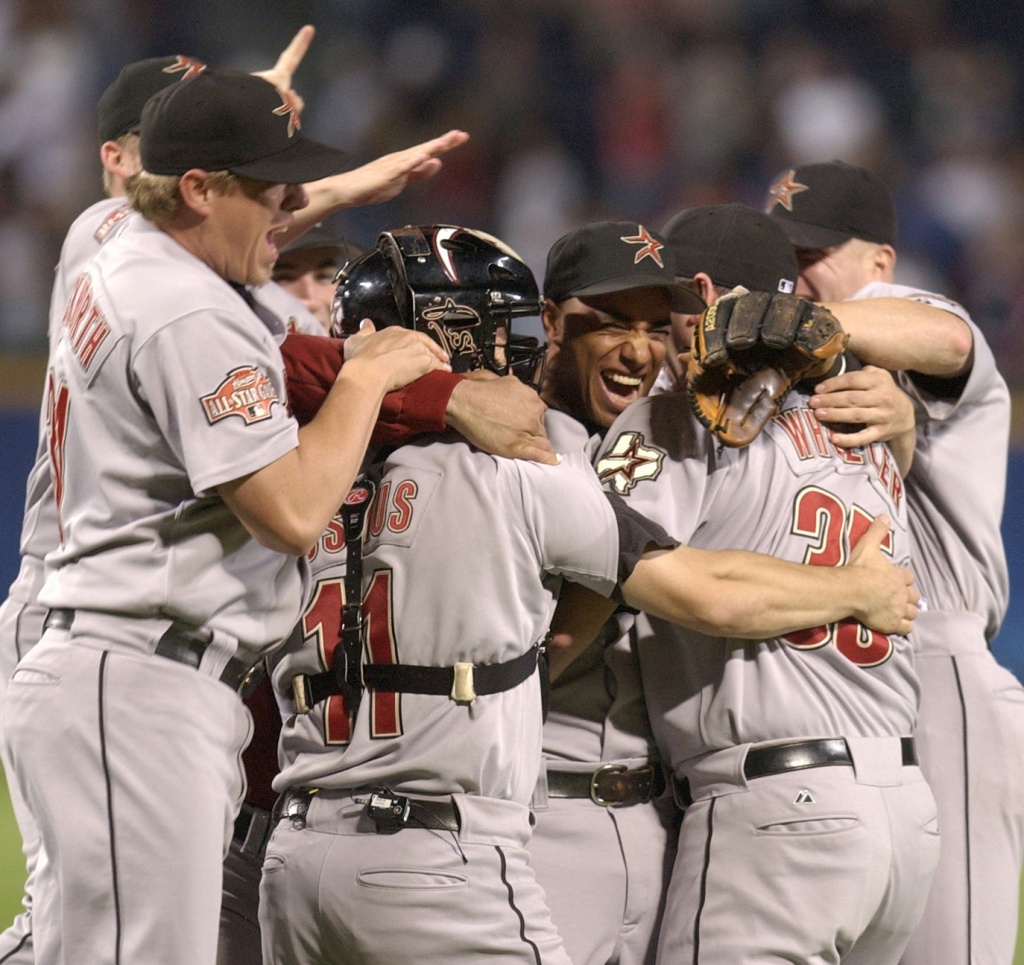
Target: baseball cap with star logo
{"x": 828, "y": 203}
{"x": 614, "y": 256}
{"x": 120, "y": 106}
{"x": 223, "y": 120}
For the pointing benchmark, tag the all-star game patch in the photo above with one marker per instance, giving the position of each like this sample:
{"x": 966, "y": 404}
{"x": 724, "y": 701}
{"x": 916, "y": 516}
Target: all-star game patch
{"x": 246, "y": 392}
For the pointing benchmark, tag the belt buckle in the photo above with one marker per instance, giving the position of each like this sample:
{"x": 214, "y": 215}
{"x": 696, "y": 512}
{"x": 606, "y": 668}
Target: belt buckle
{"x": 595, "y": 794}
{"x": 251, "y": 680}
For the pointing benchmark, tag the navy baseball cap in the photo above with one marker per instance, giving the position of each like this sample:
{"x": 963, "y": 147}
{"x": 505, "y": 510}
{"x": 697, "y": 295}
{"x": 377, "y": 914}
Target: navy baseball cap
{"x": 614, "y": 256}
{"x": 222, "y": 120}
{"x": 120, "y": 106}
{"x": 323, "y": 236}
{"x": 828, "y": 203}
{"x": 734, "y": 245}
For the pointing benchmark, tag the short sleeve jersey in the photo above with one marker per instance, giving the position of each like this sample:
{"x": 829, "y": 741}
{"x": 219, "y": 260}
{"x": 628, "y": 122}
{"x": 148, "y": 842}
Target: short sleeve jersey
{"x": 463, "y": 556}
{"x": 957, "y": 484}
{"x": 163, "y": 385}
{"x": 792, "y": 495}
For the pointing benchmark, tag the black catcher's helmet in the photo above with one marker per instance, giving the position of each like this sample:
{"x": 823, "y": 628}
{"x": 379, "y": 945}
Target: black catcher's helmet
{"x": 460, "y": 286}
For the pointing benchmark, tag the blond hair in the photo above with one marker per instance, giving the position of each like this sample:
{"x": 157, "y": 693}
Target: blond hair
{"x": 156, "y": 196}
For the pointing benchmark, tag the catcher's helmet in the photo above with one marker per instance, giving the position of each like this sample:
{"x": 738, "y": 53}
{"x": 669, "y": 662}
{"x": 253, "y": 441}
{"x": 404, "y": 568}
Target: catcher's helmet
{"x": 460, "y": 286}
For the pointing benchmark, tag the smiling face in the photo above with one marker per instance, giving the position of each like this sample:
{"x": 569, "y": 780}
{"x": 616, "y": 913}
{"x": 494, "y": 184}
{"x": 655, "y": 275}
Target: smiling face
{"x": 244, "y": 220}
{"x": 604, "y": 351}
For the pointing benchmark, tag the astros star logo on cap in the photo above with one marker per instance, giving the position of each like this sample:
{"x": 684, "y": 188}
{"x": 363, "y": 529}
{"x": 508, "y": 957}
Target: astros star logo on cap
{"x": 782, "y": 191}
{"x": 290, "y": 107}
{"x": 651, "y": 246}
{"x": 186, "y": 66}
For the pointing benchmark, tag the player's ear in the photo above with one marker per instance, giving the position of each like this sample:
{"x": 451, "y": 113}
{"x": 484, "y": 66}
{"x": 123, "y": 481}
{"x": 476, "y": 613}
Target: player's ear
{"x": 553, "y": 322}
{"x": 194, "y": 187}
{"x": 705, "y": 287}
{"x": 883, "y": 261}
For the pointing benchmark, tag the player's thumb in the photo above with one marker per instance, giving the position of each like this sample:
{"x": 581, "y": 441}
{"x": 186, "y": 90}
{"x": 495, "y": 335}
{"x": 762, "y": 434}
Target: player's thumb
{"x": 874, "y": 535}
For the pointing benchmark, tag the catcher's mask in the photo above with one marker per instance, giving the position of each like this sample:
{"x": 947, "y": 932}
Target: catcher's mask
{"x": 460, "y": 286}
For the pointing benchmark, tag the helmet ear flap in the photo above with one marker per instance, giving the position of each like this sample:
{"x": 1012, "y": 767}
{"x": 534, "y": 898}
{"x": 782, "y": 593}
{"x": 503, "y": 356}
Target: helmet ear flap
{"x": 371, "y": 286}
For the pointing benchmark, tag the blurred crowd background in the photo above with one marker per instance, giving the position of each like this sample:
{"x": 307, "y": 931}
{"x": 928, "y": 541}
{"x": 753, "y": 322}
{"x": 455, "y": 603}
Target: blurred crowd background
{"x": 578, "y": 110}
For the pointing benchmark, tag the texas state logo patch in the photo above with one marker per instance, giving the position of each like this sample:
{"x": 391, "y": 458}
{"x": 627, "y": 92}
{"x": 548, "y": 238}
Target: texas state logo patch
{"x": 246, "y": 392}
{"x": 628, "y": 462}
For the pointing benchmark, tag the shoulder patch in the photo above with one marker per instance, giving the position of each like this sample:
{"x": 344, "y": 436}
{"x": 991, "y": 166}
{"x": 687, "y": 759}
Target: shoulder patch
{"x": 628, "y": 462}
{"x": 110, "y": 225}
{"x": 246, "y": 392}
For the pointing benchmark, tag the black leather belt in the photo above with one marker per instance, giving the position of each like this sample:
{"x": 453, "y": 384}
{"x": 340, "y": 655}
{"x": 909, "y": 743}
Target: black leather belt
{"x": 461, "y": 682}
{"x": 611, "y": 785}
{"x": 763, "y": 761}
{"x": 182, "y": 646}
{"x": 253, "y": 826}
{"x": 390, "y": 812}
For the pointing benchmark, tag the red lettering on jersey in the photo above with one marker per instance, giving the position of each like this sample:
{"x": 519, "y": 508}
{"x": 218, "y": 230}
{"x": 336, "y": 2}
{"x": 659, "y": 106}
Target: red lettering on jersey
{"x": 57, "y": 402}
{"x": 818, "y": 433}
{"x": 888, "y": 472}
{"x": 377, "y": 516}
{"x": 794, "y": 427}
{"x": 83, "y": 322}
{"x": 401, "y": 517}
{"x": 333, "y": 539}
{"x": 835, "y": 530}
{"x": 246, "y": 392}
{"x": 378, "y": 612}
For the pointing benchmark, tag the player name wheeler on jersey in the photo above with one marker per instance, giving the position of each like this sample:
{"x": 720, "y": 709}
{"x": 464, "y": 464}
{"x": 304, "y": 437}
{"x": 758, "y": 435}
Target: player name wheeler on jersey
{"x": 790, "y": 494}
{"x": 153, "y": 539}
{"x": 460, "y": 564}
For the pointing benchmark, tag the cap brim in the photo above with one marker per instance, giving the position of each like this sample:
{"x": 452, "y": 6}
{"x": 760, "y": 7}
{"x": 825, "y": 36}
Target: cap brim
{"x": 684, "y": 299}
{"x": 811, "y": 236}
{"x": 299, "y": 163}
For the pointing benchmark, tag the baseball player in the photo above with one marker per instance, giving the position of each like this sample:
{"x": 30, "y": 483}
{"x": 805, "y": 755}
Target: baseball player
{"x": 811, "y": 834}
{"x": 600, "y": 844}
{"x": 410, "y": 756}
{"x": 970, "y": 736}
{"x": 307, "y": 267}
{"x": 185, "y": 493}
{"x": 119, "y": 112}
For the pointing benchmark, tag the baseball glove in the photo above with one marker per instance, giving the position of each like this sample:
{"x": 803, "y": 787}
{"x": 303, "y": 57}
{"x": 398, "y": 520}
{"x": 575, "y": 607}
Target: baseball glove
{"x": 749, "y": 349}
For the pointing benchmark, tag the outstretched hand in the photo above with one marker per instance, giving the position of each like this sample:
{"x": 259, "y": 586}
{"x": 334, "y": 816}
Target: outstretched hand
{"x": 892, "y": 596}
{"x": 280, "y": 75}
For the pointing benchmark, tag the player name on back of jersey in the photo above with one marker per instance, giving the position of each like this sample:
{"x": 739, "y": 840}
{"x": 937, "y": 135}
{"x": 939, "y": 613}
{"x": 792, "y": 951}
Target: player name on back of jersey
{"x": 810, "y": 440}
{"x": 83, "y": 322}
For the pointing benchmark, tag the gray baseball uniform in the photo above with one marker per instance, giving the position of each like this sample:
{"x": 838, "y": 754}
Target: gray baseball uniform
{"x": 603, "y": 868}
{"x": 780, "y": 859}
{"x": 21, "y": 616}
{"x": 447, "y": 519}
{"x": 149, "y": 560}
{"x": 970, "y": 733}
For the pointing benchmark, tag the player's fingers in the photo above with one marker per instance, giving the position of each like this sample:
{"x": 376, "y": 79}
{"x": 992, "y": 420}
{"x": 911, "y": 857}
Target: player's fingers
{"x": 290, "y": 58}
{"x": 851, "y": 440}
{"x": 538, "y": 449}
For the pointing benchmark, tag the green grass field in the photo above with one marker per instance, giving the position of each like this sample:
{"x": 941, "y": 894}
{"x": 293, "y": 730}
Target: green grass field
{"x": 12, "y": 869}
